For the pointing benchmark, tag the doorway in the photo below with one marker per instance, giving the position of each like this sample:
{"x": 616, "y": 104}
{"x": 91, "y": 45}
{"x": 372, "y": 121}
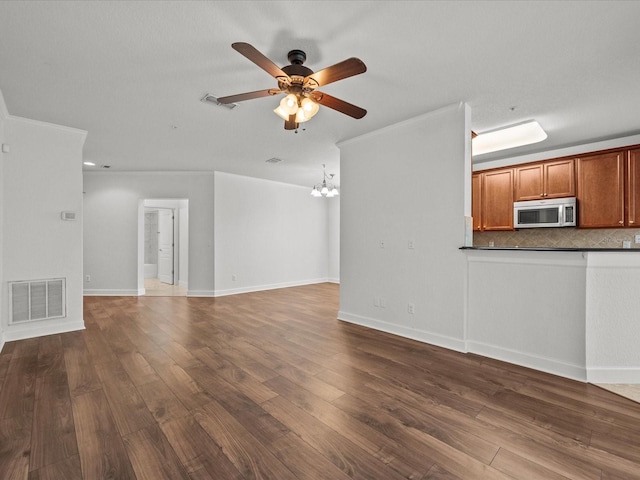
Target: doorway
{"x": 163, "y": 247}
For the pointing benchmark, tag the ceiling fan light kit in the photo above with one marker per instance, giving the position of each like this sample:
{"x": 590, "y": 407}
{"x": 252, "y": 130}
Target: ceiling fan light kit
{"x": 299, "y": 83}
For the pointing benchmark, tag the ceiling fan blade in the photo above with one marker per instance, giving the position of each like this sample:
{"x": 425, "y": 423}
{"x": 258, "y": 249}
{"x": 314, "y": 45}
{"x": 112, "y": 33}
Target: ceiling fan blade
{"x": 291, "y": 123}
{"x": 249, "y": 95}
{"x": 259, "y": 59}
{"x": 345, "y": 69}
{"x": 339, "y": 105}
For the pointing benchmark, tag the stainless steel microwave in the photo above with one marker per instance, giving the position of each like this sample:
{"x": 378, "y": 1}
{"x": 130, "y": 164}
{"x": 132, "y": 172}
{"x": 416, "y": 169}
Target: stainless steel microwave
{"x": 555, "y": 212}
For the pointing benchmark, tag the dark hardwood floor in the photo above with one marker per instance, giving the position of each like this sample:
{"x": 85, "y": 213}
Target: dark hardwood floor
{"x": 270, "y": 385}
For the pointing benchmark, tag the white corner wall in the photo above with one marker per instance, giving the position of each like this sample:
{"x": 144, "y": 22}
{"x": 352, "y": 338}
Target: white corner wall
{"x": 3, "y": 118}
{"x": 42, "y": 177}
{"x": 268, "y": 235}
{"x": 528, "y": 308}
{"x": 422, "y": 166}
{"x": 333, "y": 233}
{"x": 111, "y": 227}
{"x": 613, "y": 317}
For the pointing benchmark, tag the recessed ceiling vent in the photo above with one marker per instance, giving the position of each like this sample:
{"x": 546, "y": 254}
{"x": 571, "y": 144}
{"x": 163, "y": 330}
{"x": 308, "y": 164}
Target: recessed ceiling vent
{"x": 208, "y": 98}
{"x": 273, "y": 160}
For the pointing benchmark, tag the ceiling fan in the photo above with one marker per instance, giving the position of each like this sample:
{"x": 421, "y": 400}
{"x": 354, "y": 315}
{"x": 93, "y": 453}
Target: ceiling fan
{"x": 299, "y": 83}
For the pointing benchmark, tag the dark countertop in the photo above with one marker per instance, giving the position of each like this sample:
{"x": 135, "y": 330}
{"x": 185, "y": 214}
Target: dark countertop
{"x": 554, "y": 249}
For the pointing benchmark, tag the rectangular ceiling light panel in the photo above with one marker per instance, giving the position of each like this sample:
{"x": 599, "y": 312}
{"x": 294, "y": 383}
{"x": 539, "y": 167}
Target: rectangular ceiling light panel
{"x": 510, "y": 137}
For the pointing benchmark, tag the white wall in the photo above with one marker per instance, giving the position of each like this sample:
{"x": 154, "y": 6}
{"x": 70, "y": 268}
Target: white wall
{"x": 528, "y": 308}
{"x": 183, "y": 268}
{"x": 268, "y": 235}
{"x": 422, "y": 166}
{"x": 333, "y": 234}
{"x": 41, "y": 177}
{"x": 3, "y": 118}
{"x": 112, "y": 229}
{"x": 613, "y": 317}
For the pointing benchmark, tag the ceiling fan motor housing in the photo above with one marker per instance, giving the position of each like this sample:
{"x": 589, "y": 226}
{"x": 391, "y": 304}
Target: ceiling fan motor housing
{"x": 297, "y": 57}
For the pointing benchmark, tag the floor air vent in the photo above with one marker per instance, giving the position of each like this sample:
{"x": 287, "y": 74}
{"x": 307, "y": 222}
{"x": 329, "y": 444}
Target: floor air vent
{"x": 36, "y": 300}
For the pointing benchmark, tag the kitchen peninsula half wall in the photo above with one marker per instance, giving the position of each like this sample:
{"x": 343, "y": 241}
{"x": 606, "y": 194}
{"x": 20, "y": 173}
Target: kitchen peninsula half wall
{"x": 571, "y": 313}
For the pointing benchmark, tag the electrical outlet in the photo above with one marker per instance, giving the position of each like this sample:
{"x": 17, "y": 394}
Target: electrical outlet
{"x": 410, "y": 244}
{"x": 411, "y": 308}
{"x": 626, "y": 244}
{"x": 234, "y": 278}
{"x": 637, "y": 239}
{"x": 381, "y": 243}
{"x": 87, "y": 278}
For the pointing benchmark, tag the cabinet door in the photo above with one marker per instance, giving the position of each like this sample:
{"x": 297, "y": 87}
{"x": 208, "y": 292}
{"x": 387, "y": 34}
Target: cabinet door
{"x": 559, "y": 179}
{"x": 601, "y": 190}
{"x": 529, "y": 183}
{"x": 497, "y": 200}
{"x": 633, "y": 188}
{"x": 476, "y": 201}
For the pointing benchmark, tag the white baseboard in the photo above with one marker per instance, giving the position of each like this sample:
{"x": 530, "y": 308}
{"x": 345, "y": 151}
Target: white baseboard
{"x": 548, "y": 365}
{"x": 21, "y": 332}
{"x": 200, "y": 293}
{"x": 613, "y": 375}
{"x": 106, "y": 292}
{"x": 419, "y": 335}
{"x": 260, "y": 288}
{"x": 1, "y": 341}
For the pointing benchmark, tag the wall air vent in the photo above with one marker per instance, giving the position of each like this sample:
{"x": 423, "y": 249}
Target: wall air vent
{"x": 32, "y": 300}
{"x": 208, "y": 98}
{"x": 273, "y": 160}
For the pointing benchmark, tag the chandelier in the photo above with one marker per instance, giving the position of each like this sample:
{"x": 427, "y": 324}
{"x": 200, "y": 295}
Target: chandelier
{"x": 325, "y": 188}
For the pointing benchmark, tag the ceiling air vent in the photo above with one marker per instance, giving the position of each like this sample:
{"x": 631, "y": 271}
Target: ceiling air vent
{"x": 208, "y": 98}
{"x": 273, "y": 160}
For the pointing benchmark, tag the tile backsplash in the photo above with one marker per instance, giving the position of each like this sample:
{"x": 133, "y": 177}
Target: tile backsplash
{"x": 566, "y": 237}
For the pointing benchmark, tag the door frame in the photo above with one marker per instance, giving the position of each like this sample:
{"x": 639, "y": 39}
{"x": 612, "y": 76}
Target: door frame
{"x": 175, "y": 243}
{"x": 181, "y": 253}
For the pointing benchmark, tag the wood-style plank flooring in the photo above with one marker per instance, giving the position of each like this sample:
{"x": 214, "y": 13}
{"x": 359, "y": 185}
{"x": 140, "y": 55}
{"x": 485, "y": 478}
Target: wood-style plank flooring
{"x": 270, "y": 385}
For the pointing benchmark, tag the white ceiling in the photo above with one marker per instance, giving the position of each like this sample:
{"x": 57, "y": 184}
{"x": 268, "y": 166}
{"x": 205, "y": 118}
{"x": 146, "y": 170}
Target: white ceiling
{"x": 132, "y": 74}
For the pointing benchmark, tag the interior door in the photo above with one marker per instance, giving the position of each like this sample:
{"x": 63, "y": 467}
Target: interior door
{"x": 165, "y": 246}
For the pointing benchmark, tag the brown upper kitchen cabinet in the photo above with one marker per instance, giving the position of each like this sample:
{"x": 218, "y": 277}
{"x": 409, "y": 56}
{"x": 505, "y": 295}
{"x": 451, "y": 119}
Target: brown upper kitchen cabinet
{"x": 539, "y": 181}
{"x": 601, "y": 189}
{"x": 632, "y": 190}
{"x": 476, "y": 201}
{"x": 497, "y": 199}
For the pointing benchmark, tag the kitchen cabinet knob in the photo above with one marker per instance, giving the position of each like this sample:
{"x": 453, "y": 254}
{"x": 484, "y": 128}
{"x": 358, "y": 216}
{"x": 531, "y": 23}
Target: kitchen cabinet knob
{"x": 621, "y": 222}
{"x": 631, "y": 222}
